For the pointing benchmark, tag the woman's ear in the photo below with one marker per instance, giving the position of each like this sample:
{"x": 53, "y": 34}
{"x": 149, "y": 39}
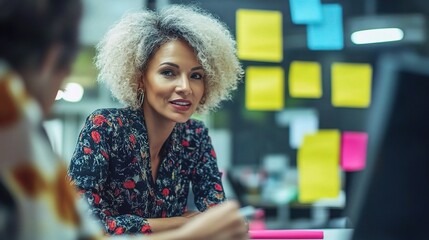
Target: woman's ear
{"x": 203, "y": 99}
{"x": 140, "y": 84}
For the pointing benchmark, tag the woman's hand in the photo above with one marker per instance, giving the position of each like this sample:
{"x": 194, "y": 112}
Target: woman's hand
{"x": 221, "y": 222}
{"x": 190, "y": 214}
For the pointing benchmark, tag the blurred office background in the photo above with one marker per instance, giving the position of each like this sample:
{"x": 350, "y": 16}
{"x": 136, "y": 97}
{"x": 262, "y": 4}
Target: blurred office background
{"x": 293, "y": 135}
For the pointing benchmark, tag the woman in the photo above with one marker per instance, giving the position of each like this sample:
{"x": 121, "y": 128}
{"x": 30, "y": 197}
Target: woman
{"x": 37, "y": 48}
{"x": 135, "y": 164}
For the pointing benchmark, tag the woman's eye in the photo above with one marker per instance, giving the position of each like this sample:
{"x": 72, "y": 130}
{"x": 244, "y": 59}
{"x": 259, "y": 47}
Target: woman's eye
{"x": 197, "y": 76}
{"x": 167, "y": 73}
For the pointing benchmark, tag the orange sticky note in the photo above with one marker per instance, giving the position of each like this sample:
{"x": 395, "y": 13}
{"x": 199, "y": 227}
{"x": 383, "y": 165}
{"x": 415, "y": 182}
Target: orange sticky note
{"x": 351, "y": 85}
{"x": 259, "y": 35}
{"x": 264, "y": 88}
{"x": 353, "y": 151}
{"x": 305, "y": 80}
{"x": 318, "y": 166}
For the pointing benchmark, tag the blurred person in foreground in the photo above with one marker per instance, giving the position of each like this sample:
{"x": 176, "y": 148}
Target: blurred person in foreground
{"x": 134, "y": 164}
{"x": 38, "y": 43}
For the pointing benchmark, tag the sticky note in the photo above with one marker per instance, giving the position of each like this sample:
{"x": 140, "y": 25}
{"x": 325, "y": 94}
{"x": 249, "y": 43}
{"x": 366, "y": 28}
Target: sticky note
{"x": 318, "y": 166}
{"x": 301, "y": 121}
{"x": 351, "y": 85}
{"x": 353, "y": 150}
{"x": 328, "y": 33}
{"x": 301, "y": 126}
{"x": 285, "y": 117}
{"x": 305, "y": 11}
{"x": 305, "y": 79}
{"x": 259, "y": 35}
{"x": 264, "y": 88}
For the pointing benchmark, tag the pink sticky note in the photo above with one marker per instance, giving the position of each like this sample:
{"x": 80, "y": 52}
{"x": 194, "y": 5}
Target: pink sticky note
{"x": 353, "y": 150}
{"x": 286, "y": 234}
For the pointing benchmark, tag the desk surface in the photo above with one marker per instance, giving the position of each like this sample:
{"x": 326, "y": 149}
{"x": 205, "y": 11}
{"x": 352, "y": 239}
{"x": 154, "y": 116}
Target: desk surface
{"x": 333, "y": 234}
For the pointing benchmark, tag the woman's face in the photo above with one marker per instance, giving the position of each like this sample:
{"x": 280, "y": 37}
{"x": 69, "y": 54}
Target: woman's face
{"x": 173, "y": 83}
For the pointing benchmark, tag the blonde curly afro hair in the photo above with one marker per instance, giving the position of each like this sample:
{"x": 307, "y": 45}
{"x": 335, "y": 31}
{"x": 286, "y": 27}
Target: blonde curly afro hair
{"x": 124, "y": 52}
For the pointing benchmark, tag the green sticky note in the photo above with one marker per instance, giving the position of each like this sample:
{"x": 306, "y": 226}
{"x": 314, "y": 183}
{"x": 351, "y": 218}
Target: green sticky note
{"x": 305, "y": 80}
{"x": 259, "y": 35}
{"x": 264, "y": 88}
{"x": 351, "y": 85}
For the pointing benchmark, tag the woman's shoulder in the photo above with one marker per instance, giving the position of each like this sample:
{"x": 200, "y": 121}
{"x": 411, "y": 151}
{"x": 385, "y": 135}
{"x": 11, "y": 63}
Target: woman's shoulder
{"x": 110, "y": 116}
{"x": 113, "y": 113}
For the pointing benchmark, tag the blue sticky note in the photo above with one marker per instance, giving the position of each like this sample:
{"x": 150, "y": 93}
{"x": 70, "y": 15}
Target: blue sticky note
{"x": 305, "y": 11}
{"x": 328, "y": 34}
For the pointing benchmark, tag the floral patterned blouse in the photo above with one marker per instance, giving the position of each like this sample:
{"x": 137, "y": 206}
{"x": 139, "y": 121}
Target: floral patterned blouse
{"x": 111, "y": 167}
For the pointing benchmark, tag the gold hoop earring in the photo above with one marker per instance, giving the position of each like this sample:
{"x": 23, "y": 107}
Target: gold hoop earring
{"x": 140, "y": 96}
{"x": 203, "y": 100}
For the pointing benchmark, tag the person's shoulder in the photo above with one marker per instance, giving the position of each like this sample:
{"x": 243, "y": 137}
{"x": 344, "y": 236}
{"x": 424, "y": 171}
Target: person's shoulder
{"x": 106, "y": 116}
{"x": 114, "y": 113}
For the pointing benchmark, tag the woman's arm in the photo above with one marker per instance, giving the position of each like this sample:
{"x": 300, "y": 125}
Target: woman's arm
{"x": 206, "y": 178}
{"x": 222, "y": 222}
{"x": 89, "y": 170}
{"x": 128, "y": 223}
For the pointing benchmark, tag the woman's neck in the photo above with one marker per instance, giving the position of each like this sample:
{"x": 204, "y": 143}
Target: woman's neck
{"x": 158, "y": 130}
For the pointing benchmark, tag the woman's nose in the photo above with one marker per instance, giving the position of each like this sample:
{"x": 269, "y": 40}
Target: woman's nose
{"x": 183, "y": 86}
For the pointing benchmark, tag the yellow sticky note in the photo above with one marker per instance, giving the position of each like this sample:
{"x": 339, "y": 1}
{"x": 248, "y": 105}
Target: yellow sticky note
{"x": 259, "y": 35}
{"x": 318, "y": 166}
{"x": 264, "y": 88}
{"x": 351, "y": 85}
{"x": 305, "y": 79}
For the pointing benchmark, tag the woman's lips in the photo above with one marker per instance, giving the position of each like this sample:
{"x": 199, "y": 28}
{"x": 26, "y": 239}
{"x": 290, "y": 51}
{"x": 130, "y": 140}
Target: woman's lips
{"x": 181, "y": 104}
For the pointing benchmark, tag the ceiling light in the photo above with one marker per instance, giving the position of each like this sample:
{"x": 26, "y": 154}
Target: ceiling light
{"x": 387, "y": 30}
{"x": 377, "y": 35}
{"x": 73, "y": 92}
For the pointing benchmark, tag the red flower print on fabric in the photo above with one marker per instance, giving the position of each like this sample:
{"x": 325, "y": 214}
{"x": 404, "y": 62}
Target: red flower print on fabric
{"x": 165, "y": 192}
{"x": 107, "y": 212}
{"x": 213, "y": 153}
{"x": 111, "y": 224}
{"x": 96, "y": 198}
{"x": 218, "y": 187}
{"x": 105, "y": 155}
{"x": 99, "y": 120}
{"x": 117, "y": 192}
{"x": 185, "y": 143}
{"x": 133, "y": 139}
{"x": 87, "y": 150}
{"x": 95, "y": 136}
{"x": 119, "y": 230}
{"x": 129, "y": 184}
{"x": 145, "y": 229}
{"x": 119, "y": 122}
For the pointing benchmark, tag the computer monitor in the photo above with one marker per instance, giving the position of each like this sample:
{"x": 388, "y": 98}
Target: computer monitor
{"x": 391, "y": 196}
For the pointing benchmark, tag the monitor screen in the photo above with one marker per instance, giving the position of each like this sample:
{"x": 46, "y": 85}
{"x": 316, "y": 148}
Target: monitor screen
{"x": 391, "y": 195}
